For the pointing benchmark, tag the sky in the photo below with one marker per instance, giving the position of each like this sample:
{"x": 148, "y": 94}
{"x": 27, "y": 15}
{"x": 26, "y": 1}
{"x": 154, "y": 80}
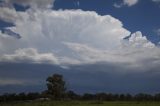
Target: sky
{"x": 97, "y": 45}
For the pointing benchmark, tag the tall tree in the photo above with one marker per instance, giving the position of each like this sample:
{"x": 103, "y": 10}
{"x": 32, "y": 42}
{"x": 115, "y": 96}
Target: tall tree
{"x": 56, "y": 86}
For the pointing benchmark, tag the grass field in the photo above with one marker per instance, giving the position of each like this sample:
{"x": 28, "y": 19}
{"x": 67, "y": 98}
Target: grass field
{"x": 82, "y": 103}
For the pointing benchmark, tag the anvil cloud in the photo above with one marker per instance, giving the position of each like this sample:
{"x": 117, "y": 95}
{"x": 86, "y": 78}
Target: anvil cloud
{"x": 72, "y": 37}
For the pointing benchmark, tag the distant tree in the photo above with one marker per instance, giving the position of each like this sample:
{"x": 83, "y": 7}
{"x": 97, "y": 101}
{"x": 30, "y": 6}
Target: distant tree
{"x": 122, "y": 97}
{"x": 109, "y": 97}
{"x": 128, "y": 97}
{"x": 157, "y": 97}
{"x": 33, "y": 96}
{"x": 88, "y": 96}
{"x": 116, "y": 97}
{"x": 22, "y": 96}
{"x": 143, "y": 97}
{"x": 72, "y": 95}
{"x": 56, "y": 86}
{"x": 101, "y": 96}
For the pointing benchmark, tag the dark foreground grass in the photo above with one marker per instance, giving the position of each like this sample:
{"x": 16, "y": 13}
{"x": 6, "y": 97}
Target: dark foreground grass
{"x": 81, "y": 103}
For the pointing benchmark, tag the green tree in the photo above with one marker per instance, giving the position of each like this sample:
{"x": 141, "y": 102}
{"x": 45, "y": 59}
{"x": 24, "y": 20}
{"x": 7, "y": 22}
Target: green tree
{"x": 56, "y": 86}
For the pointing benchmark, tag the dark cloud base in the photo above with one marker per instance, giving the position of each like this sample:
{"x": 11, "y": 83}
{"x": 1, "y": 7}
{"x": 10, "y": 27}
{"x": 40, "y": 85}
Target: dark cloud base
{"x": 82, "y": 78}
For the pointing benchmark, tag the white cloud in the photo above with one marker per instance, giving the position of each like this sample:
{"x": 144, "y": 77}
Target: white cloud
{"x": 118, "y": 5}
{"x": 140, "y": 41}
{"x": 73, "y": 37}
{"x": 87, "y": 54}
{"x": 40, "y": 4}
{"x": 43, "y": 29}
{"x": 133, "y": 52}
{"x": 30, "y": 55}
{"x": 8, "y": 14}
{"x": 128, "y": 3}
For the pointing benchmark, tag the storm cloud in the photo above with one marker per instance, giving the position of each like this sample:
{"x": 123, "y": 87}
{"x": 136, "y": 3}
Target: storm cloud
{"x": 77, "y": 43}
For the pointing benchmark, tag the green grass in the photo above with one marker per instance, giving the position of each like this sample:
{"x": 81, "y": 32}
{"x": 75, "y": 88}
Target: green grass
{"x": 82, "y": 103}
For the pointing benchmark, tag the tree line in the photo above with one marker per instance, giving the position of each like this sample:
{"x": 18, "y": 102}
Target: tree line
{"x": 57, "y": 90}
{"x": 70, "y": 95}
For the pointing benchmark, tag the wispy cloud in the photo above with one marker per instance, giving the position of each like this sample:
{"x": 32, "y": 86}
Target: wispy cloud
{"x": 34, "y": 4}
{"x": 128, "y": 3}
{"x": 16, "y": 81}
{"x": 156, "y": 1}
{"x": 157, "y": 31}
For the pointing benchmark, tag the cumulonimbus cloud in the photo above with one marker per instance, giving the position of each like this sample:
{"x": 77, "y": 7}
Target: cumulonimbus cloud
{"x": 80, "y": 42}
{"x": 72, "y": 37}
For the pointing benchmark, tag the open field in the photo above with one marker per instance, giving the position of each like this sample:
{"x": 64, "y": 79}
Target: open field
{"x": 82, "y": 103}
